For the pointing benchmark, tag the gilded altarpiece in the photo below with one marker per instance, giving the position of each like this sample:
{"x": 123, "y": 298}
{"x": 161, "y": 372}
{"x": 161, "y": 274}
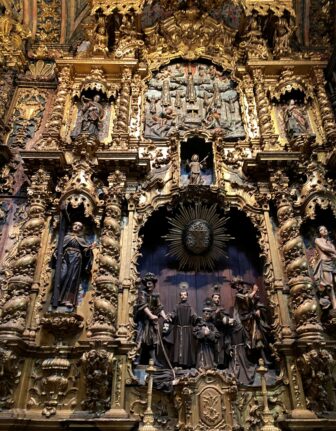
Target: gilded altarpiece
{"x": 167, "y": 216}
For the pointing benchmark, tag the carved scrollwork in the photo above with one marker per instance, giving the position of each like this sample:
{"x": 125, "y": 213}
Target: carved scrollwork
{"x": 51, "y": 137}
{"x": 53, "y": 385}
{"x": 97, "y": 367}
{"x": 9, "y": 376}
{"x": 184, "y": 35}
{"x": 317, "y": 367}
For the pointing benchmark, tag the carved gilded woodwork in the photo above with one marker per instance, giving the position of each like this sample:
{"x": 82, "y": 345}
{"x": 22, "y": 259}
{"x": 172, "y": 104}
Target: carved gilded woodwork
{"x": 228, "y": 71}
{"x": 263, "y": 108}
{"x": 22, "y": 268}
{"x": 51, "y": 138}
{"x": 13, "y": 35}
{"x": 97, "y": 366}
{"x": 49, "y": 22}
{"x": 326, "y": 112}
{"x": 105, "y": 302}
{"x": 303, "y": 300}
{"x": 27, "y": 117}
{"x": 184, "y": 35}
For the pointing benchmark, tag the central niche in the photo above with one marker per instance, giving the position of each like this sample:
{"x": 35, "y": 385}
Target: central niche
{"x": 240, "y": 257}
{"x": 192, "y": 96}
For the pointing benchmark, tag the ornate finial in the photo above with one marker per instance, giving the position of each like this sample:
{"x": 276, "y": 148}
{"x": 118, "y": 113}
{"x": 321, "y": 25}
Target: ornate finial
{"x": 148, "y": 420}
{"x": 266, "y": 415}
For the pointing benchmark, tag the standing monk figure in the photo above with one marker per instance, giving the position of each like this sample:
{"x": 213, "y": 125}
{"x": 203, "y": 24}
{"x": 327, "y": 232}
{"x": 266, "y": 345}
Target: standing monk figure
{"x": 76, "y": 259}
{"x": 184, "y": 319}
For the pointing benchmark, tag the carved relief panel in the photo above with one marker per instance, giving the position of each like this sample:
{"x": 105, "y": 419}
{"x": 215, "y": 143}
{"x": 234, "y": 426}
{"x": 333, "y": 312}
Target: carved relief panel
{"x": 27, "y": 116}
{"x": 191, "y": 96}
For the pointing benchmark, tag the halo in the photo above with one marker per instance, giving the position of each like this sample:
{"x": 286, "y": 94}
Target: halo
{"x": 197, "y": 237}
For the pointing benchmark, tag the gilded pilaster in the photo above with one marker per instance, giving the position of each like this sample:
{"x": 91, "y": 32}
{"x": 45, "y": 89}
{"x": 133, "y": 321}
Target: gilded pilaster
{"x": 326, "y": 111}
{"x": 126, "y": 267}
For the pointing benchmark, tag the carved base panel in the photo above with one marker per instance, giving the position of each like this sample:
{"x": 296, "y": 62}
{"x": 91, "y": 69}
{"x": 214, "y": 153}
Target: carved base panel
{"x": 59, "y": 424}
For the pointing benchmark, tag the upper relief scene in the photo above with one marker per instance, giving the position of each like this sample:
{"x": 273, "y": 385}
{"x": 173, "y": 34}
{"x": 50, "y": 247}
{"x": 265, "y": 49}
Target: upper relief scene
{"x": 192, "y": 96}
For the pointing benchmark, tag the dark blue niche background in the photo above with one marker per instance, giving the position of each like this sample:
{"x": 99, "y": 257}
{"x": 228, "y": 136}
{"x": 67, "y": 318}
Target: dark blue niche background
{"x": 243, "y": 260}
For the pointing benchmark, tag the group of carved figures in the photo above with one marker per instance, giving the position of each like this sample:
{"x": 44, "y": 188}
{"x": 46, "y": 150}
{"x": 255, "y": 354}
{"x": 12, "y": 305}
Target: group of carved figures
{"x": 221, "y": 338}
{"x": 184, "y": 97}
{"x": 224, "y": 337}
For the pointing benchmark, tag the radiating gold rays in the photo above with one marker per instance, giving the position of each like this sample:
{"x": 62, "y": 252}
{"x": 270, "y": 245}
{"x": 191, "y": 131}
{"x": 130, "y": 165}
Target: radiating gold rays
{"x": 197, "y": 237}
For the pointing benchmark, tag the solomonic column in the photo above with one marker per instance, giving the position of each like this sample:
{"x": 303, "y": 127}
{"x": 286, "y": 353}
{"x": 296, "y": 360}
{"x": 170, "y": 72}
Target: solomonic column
{"x": 122, "y": 123}
{"x": 17, "y": 296}
{"x": 105, "y": 301}
{"x": 303, "y": 302}
{"x": 267, "y": 134}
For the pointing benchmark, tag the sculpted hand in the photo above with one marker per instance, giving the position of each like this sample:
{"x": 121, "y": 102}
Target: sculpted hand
{"x": 231, "y": 321}
{"x": 206, "y": 331}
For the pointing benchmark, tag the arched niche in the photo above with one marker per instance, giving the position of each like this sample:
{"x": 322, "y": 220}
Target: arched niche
{"x": 196, "y": 154}
{"x": 68, "y": 216}
{"x": 242, "y": 261}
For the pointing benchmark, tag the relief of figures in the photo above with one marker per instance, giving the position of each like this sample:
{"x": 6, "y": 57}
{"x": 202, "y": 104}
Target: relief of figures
{"x": 192, "y": 96}
{"x": 226, "y": 337}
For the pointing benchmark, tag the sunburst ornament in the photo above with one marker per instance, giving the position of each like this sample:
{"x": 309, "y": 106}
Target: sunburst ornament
{"x": 197, "y": 237}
